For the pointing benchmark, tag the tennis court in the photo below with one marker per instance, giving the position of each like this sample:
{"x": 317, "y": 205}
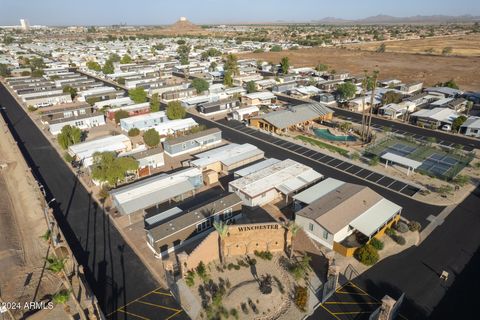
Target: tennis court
{"x": 436, "y": 162}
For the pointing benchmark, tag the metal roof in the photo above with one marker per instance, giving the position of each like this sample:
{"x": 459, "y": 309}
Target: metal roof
{"x": 110, "y": 143}
{"x": 256, "y": 167}
{"x": 287, "y": 176}
{"x": 375, "y": 217}
{"x": 318, "y": 190}
{"x": 193, "y": 136}
{"x": 297, "y": 114}
{"x": 228, "y": 154}
{"x": 153, "y": 190}
{"x": 401, "y": 160}
{"x": 144, "y": 117}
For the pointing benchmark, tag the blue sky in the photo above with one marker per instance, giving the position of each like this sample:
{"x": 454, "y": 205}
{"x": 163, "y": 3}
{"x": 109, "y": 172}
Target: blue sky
{"x": 107, "y": 12}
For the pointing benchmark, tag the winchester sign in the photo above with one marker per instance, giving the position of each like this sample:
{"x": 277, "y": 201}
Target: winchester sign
{"x": 259, "y": 227}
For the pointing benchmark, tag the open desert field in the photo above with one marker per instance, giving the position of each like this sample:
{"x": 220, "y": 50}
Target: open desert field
{"x": 465, "y": 45}
{"x": 406, "y": 67}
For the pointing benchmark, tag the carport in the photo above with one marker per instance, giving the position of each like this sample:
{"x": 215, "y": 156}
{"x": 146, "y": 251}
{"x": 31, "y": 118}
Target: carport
{"x": 395, "y": 158}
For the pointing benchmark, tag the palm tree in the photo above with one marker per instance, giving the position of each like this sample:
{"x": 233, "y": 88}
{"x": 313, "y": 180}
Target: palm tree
{"x": 62, "y": 297}
{"x": 293, "y": 228}
{"x": 222, "y": 229}
{"x": 372, "y": 101}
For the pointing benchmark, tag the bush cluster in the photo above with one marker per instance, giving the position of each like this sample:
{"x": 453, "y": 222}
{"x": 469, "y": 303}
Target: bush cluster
{"x": 265, "y": 255}
{"x": 377, "y": 244}
{"x": 414, "y": 226}
{"x": 401, "y": 227}
{"x": 301, "y": 297}
{"x": 367, "y": 255}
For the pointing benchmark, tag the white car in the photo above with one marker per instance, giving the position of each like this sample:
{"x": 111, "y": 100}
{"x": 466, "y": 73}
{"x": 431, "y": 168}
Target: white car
{"x": 446, "y": 127}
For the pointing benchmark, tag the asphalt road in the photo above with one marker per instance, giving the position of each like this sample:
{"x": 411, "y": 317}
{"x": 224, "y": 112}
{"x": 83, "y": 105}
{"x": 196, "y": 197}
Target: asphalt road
{"x": 412, "y": 209}
{"x": 113, "y": 270}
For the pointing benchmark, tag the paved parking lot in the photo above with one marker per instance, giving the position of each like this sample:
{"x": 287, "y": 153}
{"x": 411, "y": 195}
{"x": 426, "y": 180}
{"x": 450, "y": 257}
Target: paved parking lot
{"x": 349, "y": 302}
{"x": 156, "y": 304}
{"x": 362, "y": 173}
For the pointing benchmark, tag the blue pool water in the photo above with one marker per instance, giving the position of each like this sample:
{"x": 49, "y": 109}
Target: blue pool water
{"x": 325, "y": 134}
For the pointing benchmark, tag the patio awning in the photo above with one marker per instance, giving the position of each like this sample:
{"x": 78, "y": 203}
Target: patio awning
{"x": 375, "y": 218}
{"x": 389, "y": 156}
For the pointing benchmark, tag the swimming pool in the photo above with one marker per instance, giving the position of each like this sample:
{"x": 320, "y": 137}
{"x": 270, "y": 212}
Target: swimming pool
{"x": 325, "y": 134}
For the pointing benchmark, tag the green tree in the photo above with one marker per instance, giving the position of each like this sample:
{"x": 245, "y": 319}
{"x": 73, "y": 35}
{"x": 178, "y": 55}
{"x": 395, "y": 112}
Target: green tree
{"x": 151, "y": 138}
{"x": 154, "y": 103}
{"x": 457, "y": 123}
{"x": 285, "y": 65}
{"x": 37, "y": 63}
{"x": 68, "y": 136}
{"x": 71, "y": 90}
{"x": 37, "y": 73}
{"x": 183, "y": 52}
{"x": 175, "y": 110}
{"x": 120, "y": 114}
{"x": 93, "y": 65}
{"x": 126, "y": 59}
{"x": 228, "y": 79}
{"x": 109, "y": 168}
{"x": 275, "y": 48}
{"x": 213, "y": 66}
{"x": 392, "y": 97}
{"x": 138, "y": 95}
{"x": 251, "y": 86}
{"x": 231, "y": 64}
{"x": 4, "y": 70}
{"x": 321, "y": 67}
{"x": 346, "y": 90}
{"x": 121, "y": 80}
{"x": 108, "y": 67}
{"x": 133, "y": 132}
{"x": 55, "y": 264}
{"x": 450, "y": 84}
{"x": 114, "y": 57}
{"x": 8, "y": 40}
{"x": 200, "y": 85}
{"x": 222, "y": 230}
{"x": 181, "y": 42}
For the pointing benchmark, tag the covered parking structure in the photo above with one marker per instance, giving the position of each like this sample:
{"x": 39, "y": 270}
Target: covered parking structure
{"x": 395, "y": 158}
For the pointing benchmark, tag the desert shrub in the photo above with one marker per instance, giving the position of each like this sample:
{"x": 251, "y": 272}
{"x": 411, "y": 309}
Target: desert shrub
{"x": 390, "y": 232}
{"x": 367, "y": 255}
{"x": 265, "y": 255}
{"x": 399, "y": 239}
{"x": 401, "y": 227}
{"x": 377, "y": 244}
{"x": 133, "y": 132}
{"x": 242, "y": 263}
{"x": 414, "y": 226}
{"x": 202, "y": 271}
{"x": 244, "y": 308}
{"x": 301, "y": 297}
{"x": 234, "y": 313}
{"x": 68, "y": 157}
{"x": 190, "y": 278}
{"x": 31, "y": 109}
{"x": 279, "y": 284}
{"x": 253, "y": 306}
{"x": 252, "y": 261}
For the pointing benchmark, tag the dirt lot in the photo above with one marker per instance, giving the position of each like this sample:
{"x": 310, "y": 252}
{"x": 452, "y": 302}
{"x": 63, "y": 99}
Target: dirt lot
{"x": 465, "y": 45}
{"x": 406, "y": 67}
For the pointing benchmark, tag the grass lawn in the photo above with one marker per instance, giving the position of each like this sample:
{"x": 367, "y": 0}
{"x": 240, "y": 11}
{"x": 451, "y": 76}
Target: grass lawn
{"x": 323, "y": 145}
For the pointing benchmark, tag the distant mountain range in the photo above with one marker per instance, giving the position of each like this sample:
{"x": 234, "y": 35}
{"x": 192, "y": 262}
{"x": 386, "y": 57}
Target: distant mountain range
{"x": 386, "y": 19}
